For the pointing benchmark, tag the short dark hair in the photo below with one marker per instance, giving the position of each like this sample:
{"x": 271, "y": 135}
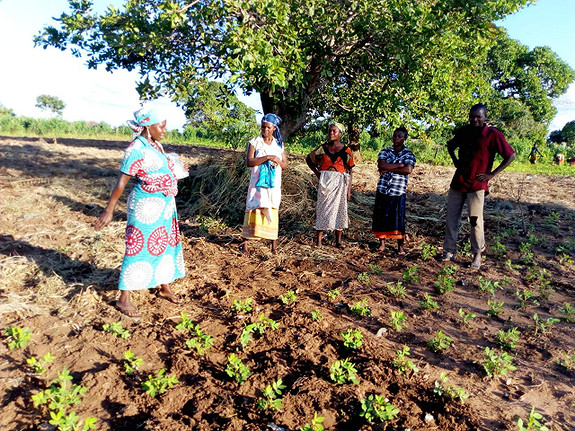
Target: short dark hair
{"x": 479, "y": 107}
{"x": 403, "y": 130}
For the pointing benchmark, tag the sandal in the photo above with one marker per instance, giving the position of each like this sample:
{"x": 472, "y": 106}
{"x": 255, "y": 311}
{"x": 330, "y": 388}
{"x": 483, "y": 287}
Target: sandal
{"x": 128, "y": 310}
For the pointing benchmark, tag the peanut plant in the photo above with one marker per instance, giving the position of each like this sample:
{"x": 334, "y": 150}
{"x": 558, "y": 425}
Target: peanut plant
{"x": 363, "y": 278}
{"x": 131, "y": 362}
{"x": 532, "y": 422}
{"x": 402, "y": 362}
{"x": 398, "y": 321}
{"x": 343, "y": 371}
{"x": 496, "y": 365}
{"x": 38, "y": 364}
{"x": 244, "y": 306}
{"x": 508, "y": 339}
{"x": 568, "y": 363}
{"x": 159, "y": 384}
{"x": 117, "y": 330}
{"x": 316, "y": 315}
{"x": 315, "y": 425}
{"x": 271, "y": 396}
{"x": 428, "y": 302}
{"x": 361, "y": 309}
{"x": 200, "y": 341}
{"x": 237, "y": 370}
{"x": 17, "y": 337}
{"x": 409, "y": 275}
{"x": 440, "y": 342}
{"x": 396, "y": 289}
{"x": 352, "y": 339}
{"x": 288, "y": 298}
{"x": 542, "y": 326}
{"x": 526, "y": 296}
{"x": 495, "y": 308}
{"x": 378, "y": 408}
{"x": 257, "y": 327}
{"x": 488, "y": 285}
{"x": 465, "y": 317}
{"x": 568, "y": 312}
{"x": 428, "y": 251}
{"x": 445, "y": 283}
{"x": 333, "y": 294}
{"x": 441, "y": 388}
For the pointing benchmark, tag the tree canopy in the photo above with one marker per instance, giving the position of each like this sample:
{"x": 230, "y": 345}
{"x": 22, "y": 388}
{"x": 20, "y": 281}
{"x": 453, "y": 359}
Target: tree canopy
{"x": 53, "y": 104}
{"x": 407, "y": 59}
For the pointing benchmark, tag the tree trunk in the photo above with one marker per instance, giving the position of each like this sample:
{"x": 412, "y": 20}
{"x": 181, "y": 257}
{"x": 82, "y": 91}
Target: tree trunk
{"x": 292, "y": 114}
{"x": 353, "y": 134}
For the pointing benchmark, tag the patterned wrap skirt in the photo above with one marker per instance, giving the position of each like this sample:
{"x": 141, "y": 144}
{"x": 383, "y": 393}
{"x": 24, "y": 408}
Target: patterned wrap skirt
{"x": 389, "y": 216}
{"x": 331, "y": 207}
{"x": 261, "y": 223}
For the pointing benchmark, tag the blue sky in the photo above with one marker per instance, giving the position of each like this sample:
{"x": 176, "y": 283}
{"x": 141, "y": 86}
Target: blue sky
{"x": 97, "y": 95}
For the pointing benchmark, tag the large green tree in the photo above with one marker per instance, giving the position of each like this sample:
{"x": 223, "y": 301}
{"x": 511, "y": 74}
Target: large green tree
{"x": 409, "y": 56}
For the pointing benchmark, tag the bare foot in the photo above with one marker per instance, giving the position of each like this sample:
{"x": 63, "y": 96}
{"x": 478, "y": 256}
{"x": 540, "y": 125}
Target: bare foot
{"x": 476, "y": 262}
{"x": 381, "y": 247}
{"x": 244, "y": 249}
{"x": 401, "y": 251}
{"x": 166, "y": 293}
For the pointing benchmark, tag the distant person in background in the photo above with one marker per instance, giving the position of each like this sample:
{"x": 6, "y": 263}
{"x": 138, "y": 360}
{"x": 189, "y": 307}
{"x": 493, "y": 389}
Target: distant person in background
{"x": 477, "y": 144}
{"x": 332, "y": 163}
{"x": 571, "y": 160}
{"x": 266, "y": 159}
{"x": 153, "y": 254}
{"x": 559, "y": 159}
{"x": 394, "y": 165}
{"x": 534, "y": 154}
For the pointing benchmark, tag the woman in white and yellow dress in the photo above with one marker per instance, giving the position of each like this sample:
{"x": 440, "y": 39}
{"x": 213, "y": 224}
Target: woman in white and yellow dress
{"x": 266, "y": 158}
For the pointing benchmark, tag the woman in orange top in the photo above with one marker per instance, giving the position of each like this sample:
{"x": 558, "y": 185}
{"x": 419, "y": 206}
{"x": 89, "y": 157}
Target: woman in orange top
{"x": 332, "y": 163}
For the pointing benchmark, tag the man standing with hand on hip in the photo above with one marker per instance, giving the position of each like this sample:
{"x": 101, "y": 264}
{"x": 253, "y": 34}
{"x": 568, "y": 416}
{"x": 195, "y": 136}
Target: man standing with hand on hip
{"x": 478, "y": 144}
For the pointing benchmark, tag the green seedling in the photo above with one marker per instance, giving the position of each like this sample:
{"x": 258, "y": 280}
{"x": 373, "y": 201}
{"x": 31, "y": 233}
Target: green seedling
{"x": 568, "y": 312}
{"x": 131, "y": 362}
{"x": 465, "y": 317}
{"x": 526, "y": 254}
{"x": 568, "y": 363}
{"x": 540, "y": 279}
{"x": 271, "y": 396}
{"x": 315, "y": 425}
{"x": 445, "y": 283}
{"x": 343, "y": 371}
{"x": 542, "y": 326}
{"x": 449, "y": 270}
{"x": 375, "y": 269}
{"x": 361, "y": 309}
{"x": 237, "y": 370}
{"x": 316, "y": 315}
{"x": 532, "y": 422}
{"x": 398, "y": 321}
{"x": 488, "y": 285}
{"x": 200, "y": 341}
{"x": 428, "y": 251}
{"x": 333, "y": 294}
{"x": 402, "y": 363}
{"x": 244, "y": 306}
{"x": 39, "y": 364}
{"x": 495, "y": 308}
{"x": 466, "y": 251}
{"x": 186, "y": 324}
{"x": 288, "y": 298}
{"x": 409, "y": 275}
{"x": 363, "y": 277}
{"x": 378, "y": 408}
{"x": 258, "y": 327}
{"x": 17, "y": 337}
{"x": 564, "y": 259}
{"x": 396, "y": 289}
{"x": 159, "y": 384}
{"x": 526, "y": 296}
{"x": 441, "y": 388}
{"x": 440, "y": 342}
{"x": 428, "y": 302}
{"x": 497, "y": 365}
{"x": 498, "y": 249}
{"x": 508, "y": 339}
{"x": 352, "y": 339}
{"x": 116, "y": 329}
{"x": 60, "y": 396}
{"x": 534, "y": 239}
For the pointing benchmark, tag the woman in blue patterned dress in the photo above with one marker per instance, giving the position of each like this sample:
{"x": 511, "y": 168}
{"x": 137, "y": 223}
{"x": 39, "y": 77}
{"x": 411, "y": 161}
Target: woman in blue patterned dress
{"x": 153, "y": 254}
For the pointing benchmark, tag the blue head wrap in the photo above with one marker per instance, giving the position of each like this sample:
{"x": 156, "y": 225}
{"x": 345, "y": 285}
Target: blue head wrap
{"x": 276, "y": 121}
{"x": 147, "y": 115}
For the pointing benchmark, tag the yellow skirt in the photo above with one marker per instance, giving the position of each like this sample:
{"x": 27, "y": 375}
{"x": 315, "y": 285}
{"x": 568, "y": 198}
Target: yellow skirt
{"x": 257, "y": 225}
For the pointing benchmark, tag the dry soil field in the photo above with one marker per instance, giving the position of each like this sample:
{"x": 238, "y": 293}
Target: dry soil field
{"x": 58, "y": 278}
